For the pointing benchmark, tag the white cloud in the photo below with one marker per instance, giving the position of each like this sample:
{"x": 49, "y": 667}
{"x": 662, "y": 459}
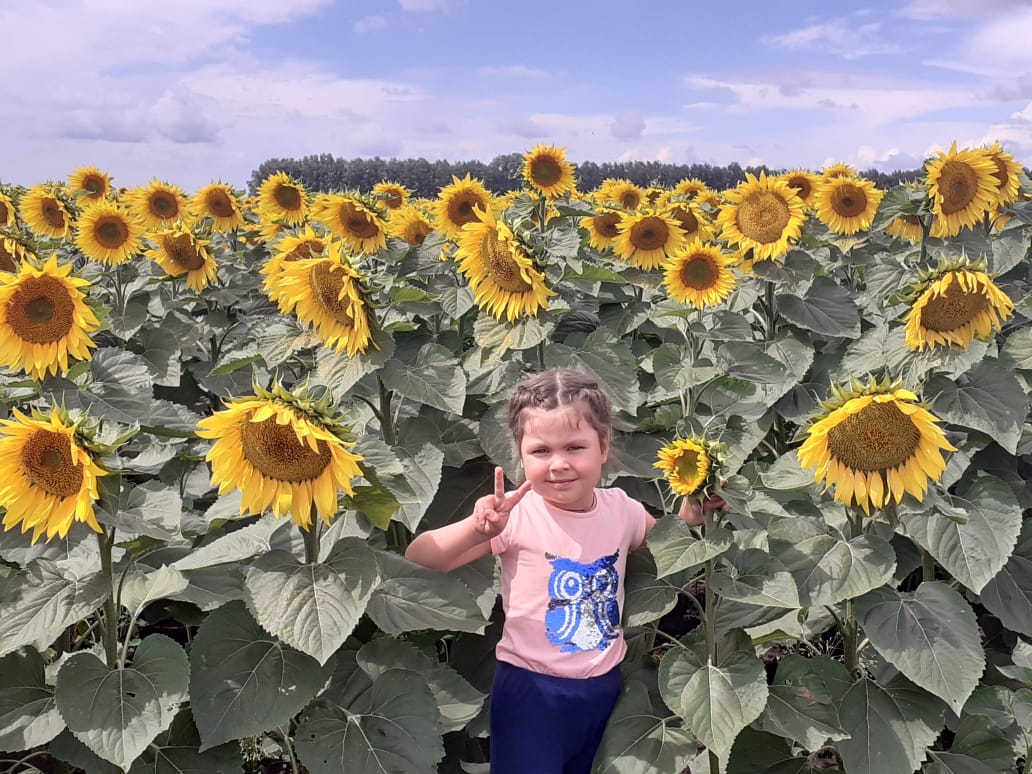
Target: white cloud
{"x": 946, "y": 9}
{"x": 519, "y": 71}
{"x": 369, "y": 23}
{"x": 841, "y": 37}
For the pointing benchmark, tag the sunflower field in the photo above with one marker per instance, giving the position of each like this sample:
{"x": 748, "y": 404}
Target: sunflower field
{"x": 225, "y": 417}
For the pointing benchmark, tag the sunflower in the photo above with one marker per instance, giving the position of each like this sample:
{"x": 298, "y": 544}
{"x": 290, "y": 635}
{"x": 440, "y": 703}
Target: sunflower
{"x": 907, "y": 227}
{"x": 394, "y": 196}
{"x": 690, "y": 188}
{"x": 839, "y": 169}
{"x": 963, "y": 186}
{"x": 873, "y": 444}
{"x": 700, "y": 275}
{"x": 178, "y": 251}
{"x": 1008, "y": 184}
{"x": 603, "y": 229}
{"x": 359, "y": 225}
{"x": 411, "y": 225}
{"x": 647, "y": 238}
{"x": 89, "y": 185}
{"x": 325, "y": 292}
{"x": 44, "y": 211}
{"x": 546, "y": 170}
{"x": 952, "y": 306}
{"x": 107, "y": 233}
{"x": 622, "y": 192}
{"x": 51, "y": 478}
{"x": 846, "y": 204}
{"x": 685, "y": 463}
{"x": 691, "y": 219}
{"x": 763, "y": 214}
{"x": 501, "y": 273}
{"x": 12, "y": 253}
{"x": 219, "y": 204}
{"x": 295, "y": 246}
{"x": 804, "y": 183}
{"x": 6, "y": 210}
{"x": 457, "y": 203}
{"x": 281, "y": 198}
{"x": 282, "y": 454}
{"x": 44, "y": 319}
{"x": 157, "y": 204}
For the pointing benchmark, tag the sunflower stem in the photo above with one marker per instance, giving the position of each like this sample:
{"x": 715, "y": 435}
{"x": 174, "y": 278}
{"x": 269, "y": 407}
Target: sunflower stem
{"x": 311, "y": 536}
{"x": 770, "y": 308}
{"x": 109, "y": 632}
{"x": 927, "y": 566}
{"x": 384, "y": 414}
{"x": 540, "y": 349}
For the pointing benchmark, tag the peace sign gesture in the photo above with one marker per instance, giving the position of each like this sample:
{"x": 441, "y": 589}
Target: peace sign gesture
{"x": 491, "y": 512}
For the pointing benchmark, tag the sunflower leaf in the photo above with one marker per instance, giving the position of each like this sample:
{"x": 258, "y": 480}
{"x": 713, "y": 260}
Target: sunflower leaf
{"x": 746, "y": 360}
{"x": 802, "y": 705}
{"x": 675, "y": 548}
{"x": 827, "y": 309}
{"x": 757, "y": 578}
{"x": 28, "y": 713}
{"x": 1008, "y": 595}
{"x": 435, "y": 379}
{"x": 647, "y": 597}
{"x": 640, "y": 740}
{"x": 605, "y": 356}
{"x": 340, "y": 373}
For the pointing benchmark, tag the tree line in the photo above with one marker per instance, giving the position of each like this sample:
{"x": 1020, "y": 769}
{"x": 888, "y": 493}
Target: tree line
{"x": 325, "y": 172}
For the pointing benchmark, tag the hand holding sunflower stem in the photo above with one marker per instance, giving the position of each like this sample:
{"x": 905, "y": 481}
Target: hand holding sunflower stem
{"x": 696, "y": 513}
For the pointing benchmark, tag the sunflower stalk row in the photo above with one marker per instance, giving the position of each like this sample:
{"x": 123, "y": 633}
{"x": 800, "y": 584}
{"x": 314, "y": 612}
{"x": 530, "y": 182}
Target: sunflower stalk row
{"x": 227, "y": 414}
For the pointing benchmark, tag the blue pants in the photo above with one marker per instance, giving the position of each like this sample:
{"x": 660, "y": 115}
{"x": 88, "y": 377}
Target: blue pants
{"x": 542, "y": 724}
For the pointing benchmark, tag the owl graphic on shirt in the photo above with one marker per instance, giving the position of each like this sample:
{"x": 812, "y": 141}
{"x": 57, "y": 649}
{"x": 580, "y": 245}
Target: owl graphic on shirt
{"x": 583, "y": 613}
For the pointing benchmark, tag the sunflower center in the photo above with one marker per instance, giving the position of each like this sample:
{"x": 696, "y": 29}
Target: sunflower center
{"x": 163, "y": 205}
{"x": 288, "y": 197}
{"x": 848, "y": 201}
{"x": 5, "y": 213}
{"x": 699, "y": 273}
{"x": 1000, "y": 174}
{"x": 53, "y": 214}
{"x": 686, "y": 467}
{"x": 545, "y": 172}
{"x": 277, "y": 453}
{"x": 417, "y": 232}
{"x": 763, "y": 217}
{"x": 650, "y": 233}
{"x": 958, "y": 185}
{"x": 111, "y": 232}
{"x": 7, "y": 259}
{"x": 878, "y": 437}
{"x": 801, "y": 185}
{"x": 952, "y": 309}
{"x": 46, "y": 460}
{"x": 305, "y": 250}
{"x": 630, "y": 200}
{"x": 606, "y": 225}
{"x": 41, "y": 310}
{"x": 219, "y": 204}
{"x": 358, "y": 224}
{"x": 685, "y": 219}
{"x": 501, "y": 267}
{"x": 460, "y": 209}
{"x": 327, "y": 285}
{"x": 93, "y": 185}
{"x": 182, "y": 251}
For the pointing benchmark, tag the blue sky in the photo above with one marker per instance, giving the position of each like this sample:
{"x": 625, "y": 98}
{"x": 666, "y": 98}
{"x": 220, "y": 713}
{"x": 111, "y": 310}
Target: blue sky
{"x": 202, "y": 90}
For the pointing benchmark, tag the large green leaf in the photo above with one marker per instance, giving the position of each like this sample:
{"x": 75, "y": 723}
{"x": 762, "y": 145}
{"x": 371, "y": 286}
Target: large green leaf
{"x": 975, "y": 550}
{"x": 827, "y": 568}
{"x": 716, "y": 700}
{"x": 413, "y": 598}
{"x": 675, "y": 548}
{"x": 1017, "y": 351}
{"x": 988, "y": 398}
{"x": 607, "y": 357}
{"x": 421, "y": 479}
{"x": 802, "y": 706}
{"x": 435, "y": 378}
{"x": 640, "y": 741}
{"x": 498, "y": 337}
{"x": 39, "y": 601}
{"x": 1008, "y": 595}
{"x": 676, "y": 372}
{"x": 28, "y": 713}
{"x": 756, "y": 578}
{"x": 391, "y": 729}
{"x": 827, "y": 309}
{"x": 786, "y": 473}
{"x": 340, "y": 373}
{"x": 646, "y": 597}
{"x": 931, "y": 636}
{"x": 457, "y": 701}
{"x": 312, "y": 607}
{"x": 264, "y": 535}
{"x": 139, "y": 588}
{"x": 889, "y": 727}
{"x": 176, "y": 752}
{"x": 118, "y": 712}
{"x": 953, "y": 763}
{"x": 749, "y": 361}
{"x": 151, "y": 508}
{"x": 244, "y": 682}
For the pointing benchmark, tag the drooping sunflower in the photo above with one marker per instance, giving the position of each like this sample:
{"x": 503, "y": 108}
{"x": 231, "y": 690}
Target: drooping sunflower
{"x": 804, "y": 183}
{"x": 500, "y": 270}
{"x": 107, "y": 233}
{"x": 326, "y": 293}
{"x": 847, "y": 205}
{"x": 44, "y": 319}
{"x": 874, "y": 443}
{"x": 691, "y": 219}
{"x": 906, "y": 227}
{"x": 12, "y": 253}
{"x": 219, "y": 205}
{"x": 283, "y": 454}
{"x": 282, "y": 198}
{"x": 179, "y": 251}
{"x": 764, "y": 215}
{"x": 43, "y": 210}
{"x": 603, "y": 229}
{"x": 1008, "y": 183}
{"x": 962, "y": 186}
{"x": 839, "y": 169}
{"x": 395, "y": 196}
{"x": 647, "y": 238}
{"x": 157, "y": 204}
{"x": 700, "y": 275}
{"x": 360, "y": 226}
{"x": 89, "y": 185}
{"x": 546, "y": 170}
{"x": 293, "y": 246}
{"x": 686, "y": 464}
{"x": 953, "y": 305}
{"x": 457, "y": 204}
{"x": 50, "y": 478}
{"x": 7, "y": 211}
{"x": 411, "y": 225}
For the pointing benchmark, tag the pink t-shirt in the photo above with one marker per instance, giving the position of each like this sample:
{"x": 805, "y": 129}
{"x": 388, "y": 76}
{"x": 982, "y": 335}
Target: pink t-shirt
{"x": 563, "y": 583}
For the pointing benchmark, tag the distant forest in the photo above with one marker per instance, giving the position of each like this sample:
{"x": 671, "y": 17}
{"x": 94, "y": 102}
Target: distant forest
{"x": 326, "y": 172}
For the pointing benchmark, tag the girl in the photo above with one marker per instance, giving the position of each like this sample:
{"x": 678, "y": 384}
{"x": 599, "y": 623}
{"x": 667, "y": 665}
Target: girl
{"x": 563, "y": 545}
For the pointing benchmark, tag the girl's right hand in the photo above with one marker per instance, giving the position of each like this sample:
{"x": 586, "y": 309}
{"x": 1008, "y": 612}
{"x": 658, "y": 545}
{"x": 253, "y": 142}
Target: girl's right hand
{"x": 491, "y": 512}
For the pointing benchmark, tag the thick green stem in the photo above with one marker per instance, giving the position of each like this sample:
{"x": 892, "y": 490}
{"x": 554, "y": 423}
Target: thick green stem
{"x": 384, "y": 415}
{"x": 311, "y": 536}
{"x": 711, "y": 638}
{"x": 109, "y": 631}
{"x": 927, "y": 566}
{"x": 770, "y": 306}
{"x": 849, "y": 627}
{"x": 540, "y": 350}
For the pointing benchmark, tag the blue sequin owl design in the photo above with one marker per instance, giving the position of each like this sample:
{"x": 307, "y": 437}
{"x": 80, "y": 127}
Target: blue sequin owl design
{"x": 583, "y": 613}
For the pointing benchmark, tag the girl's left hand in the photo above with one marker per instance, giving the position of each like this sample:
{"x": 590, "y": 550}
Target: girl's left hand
{"x": 692, "y": 510}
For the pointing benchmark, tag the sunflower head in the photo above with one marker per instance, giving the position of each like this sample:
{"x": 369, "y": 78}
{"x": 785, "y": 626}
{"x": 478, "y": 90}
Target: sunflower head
{"x": 13, "y": 252}
{"x": 690, "y": 217}
{"x": 546, "y": 170}
{"x": 7, "y": 210}
{"x": 179, "y": 251}
{"x": 847, "y": 205}
{"x": 217, "y": 206}
{"x": 804, "y": 183}
{"x": 907, "y": 227}
{"x": 692, "y": 466}
{"x": 394, "y": 196}
{"x": 690, "y": 188}
{"x": 411, "y": 225}
{"x": 89, "y": 185}
{"x": 647, "y": 238}
{"x": 603, "y": 229}
{"x": 874, "y": 443}
{"x": 700, "y": 275}
{"x": 108, "y": 233}
{"x": 282, "y": 198}
{"x": 963, "y": 186}
{"x": 839, "y": 169}
{"x": 157, "y": 204}
{"x": 457, "y": 204}
{"x": 45, "y": 209}
{"x": 356, "y": 221}
{"x": 954, "y": 304}
{"x": 622, "y": 193}
{"x": 294, "y": 245}
{"x": 1007, "y": 174}
{"x": 763, "y": 215}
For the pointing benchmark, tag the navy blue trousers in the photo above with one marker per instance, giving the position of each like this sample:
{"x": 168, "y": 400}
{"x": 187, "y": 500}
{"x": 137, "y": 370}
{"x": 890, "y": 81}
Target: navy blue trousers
{"x": 542, "y": 724}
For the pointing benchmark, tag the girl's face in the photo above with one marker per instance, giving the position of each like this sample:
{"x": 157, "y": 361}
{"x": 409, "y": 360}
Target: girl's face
{"x": 562, "y": 456}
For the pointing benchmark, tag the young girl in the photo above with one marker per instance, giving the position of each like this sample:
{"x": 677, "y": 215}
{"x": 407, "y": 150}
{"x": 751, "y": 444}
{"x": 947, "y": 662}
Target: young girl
{"x": 563, "y": 545}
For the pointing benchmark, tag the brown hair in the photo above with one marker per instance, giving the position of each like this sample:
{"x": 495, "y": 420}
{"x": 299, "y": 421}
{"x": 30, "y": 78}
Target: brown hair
{"x": 557, "y": 388}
